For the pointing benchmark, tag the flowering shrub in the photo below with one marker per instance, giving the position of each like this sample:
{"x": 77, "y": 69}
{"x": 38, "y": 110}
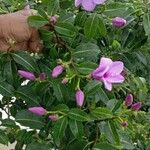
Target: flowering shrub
{"x": 89, "y": 87}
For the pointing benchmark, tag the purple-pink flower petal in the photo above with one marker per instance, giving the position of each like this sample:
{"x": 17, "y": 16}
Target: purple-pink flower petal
{"x": 107, "y": 85}
{"x": 78, "y": 3}
{"x": 115, "y": 79}
{"x": 118, "y": 22}
{"x": 88, "y": 5}
{"x": 129, "y": 100}
{"x": 57, "y": 71}
{"x": 109, "y": 72}
{"x": 136, "y": 106}
{"x": 116, "y": 68}
{"x": 26, "y": 74}
{"x": 79, "y": 98}
{"x": 99, "y": 1}
{"x": 38, "y": 110}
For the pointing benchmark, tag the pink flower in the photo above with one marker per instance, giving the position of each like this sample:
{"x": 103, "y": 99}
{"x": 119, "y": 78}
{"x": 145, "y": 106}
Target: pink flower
{"x": 53, "y": 117}
{"x": 136, "y": 106}
{"x": 26, "y": 74}
{"x": 88, "y": 5}
{"x": 38, "y": 110}
{"x": 118, "y": 22}
{"x": 57, "y": 71}
{"x": 109, "y": 72}
{"x": 79, "y": 98}
{"x": 129, "y": 100}
{"x": 42, "y": 76}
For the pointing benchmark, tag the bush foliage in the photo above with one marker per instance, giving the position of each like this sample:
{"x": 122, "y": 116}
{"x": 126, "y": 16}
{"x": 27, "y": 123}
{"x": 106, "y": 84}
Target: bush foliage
{"x": 78, "y": 41}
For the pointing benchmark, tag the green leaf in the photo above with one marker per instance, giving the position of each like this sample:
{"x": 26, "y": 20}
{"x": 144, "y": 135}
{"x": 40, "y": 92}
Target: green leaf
{"x": 102, "y": 113}
{"x": 53, "y": 7}
{"x": 37, "y": 21}
{"x": 37, "y": 146}
{"x": 78, "y": 115}
{"x": 59, "y": 129}
{"x": 29, "y": 119}
{"x": 25, "y": 60}
{"x": 146, "y": 22}
{"x": 8, "y": 123}
{"x": 104, "y": 146}
{"x": 26, "y": 94}
{"x": 86, "y": 67}
{"x": 3, "y": 138}
{"x": 76, "y": 128}
{"x": 57, "y": 91}
{"x": 66, "y": 29}
{"x": 86, "y": 52}
{"x": 94, "y": 88}
{"x": 114, "y": 131}
{"x": 90, "y": 26}
{"x": 80, "y": 19}
{"x": 6, "y": 89}
{"x": 101, "y": 27}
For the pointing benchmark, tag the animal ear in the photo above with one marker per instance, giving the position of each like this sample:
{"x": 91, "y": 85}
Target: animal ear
{"x": 27, "y": 7}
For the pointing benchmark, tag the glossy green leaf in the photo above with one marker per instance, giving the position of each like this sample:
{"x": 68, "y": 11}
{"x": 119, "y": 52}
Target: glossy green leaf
{"x": 37, "y": 21}
{"x": 78, "y": 115}
{"x": 59, "y": 129}
{"x": 28, "y": 119}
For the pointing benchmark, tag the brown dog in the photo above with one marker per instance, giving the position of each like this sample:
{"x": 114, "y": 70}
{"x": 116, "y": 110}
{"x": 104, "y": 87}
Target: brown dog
{"x": 16, "y": 34}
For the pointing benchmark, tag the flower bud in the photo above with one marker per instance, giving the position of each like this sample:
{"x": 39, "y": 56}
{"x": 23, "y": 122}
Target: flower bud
{"x": 38, "y": 110}
{"x": 124, "y": 124}
{"x": 54, "y": 19}
{"x": 26, "y": 74}
{"x": 64, "y": 81}
{"x": 129, "y": 100}
{"x": 136, "y": 106}
{"x": 118, "y": 22}
{"x": 42, "y": 76}
{"x": 53, "y": 117}
{"x": 79, "y": 98}
{"x": 57, "y": 71}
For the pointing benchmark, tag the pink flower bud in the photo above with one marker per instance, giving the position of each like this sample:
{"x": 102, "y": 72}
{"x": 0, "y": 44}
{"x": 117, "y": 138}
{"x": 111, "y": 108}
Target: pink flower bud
{"x": 136, "y": 106}
{"x": 26, "y": 74}
{"x": 64, "y": 81}
{"x": 54, "y": 19}
{"x": 57, "y": 71}
{"x": 53, "y": 117}
{"x": 38, "y": 110}
{"x": 124, "y": 124}
{"x": 118, "y": 22}
{"x": 129, "y": 100}
{"x": 79, "y": 98}
{"x": 42, "y": 76}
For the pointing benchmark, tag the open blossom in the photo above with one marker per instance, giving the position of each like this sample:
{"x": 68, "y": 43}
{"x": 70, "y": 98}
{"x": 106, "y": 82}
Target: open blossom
{"x": 88, "y": 5}
{"x": 118, "y": 22}
{"x": 57, "y": 71}
{"x": 136, "y": 106}
{"x": 38, "y": 110}
{"x": 129, "y": 100}
{"x": 26, "y": 74}
{"x": 53, "y": 117}
{"x": 79, "y": 98}
{"x": 109, "y": 72}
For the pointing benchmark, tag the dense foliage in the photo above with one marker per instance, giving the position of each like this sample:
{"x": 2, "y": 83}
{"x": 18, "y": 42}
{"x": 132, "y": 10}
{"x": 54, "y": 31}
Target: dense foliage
{"x": 76, "y": 111}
